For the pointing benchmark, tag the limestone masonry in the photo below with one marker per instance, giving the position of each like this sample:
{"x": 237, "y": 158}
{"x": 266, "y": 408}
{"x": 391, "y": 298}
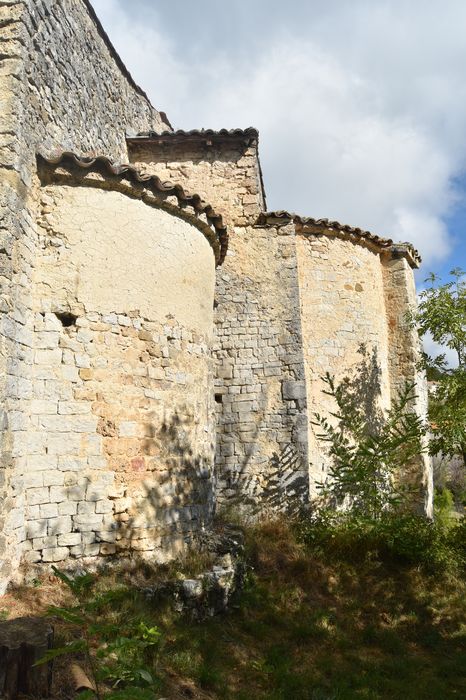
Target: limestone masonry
{"x": 162, "y": 336}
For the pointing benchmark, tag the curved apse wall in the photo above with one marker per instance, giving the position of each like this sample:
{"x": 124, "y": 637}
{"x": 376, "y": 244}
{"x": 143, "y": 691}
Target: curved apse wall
{"x": 123, "y": 388}
{"x": 345, "y": 331}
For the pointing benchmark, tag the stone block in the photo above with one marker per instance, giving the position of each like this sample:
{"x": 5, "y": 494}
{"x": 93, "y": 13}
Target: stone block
{"x": 71, "y": 539}
{"x": 14, "y": 520}
{"x": 37, "y": 496}
{"x": 59, "y": 526}
{"x": 58, "y": 494}
{"x": 68, "y": 508}
{"x": 128, "y": 429}
{"x": 63, "y": 444}
{"x": 72, "y": 464}
{"x": 32, "y": 512}
{"x": 85, "y": 508}
{"x": 293, "y": 390}
{"x": 68, "y": 424}
{"x": 53, "y": 477}
{"x": 96, "y": 492}
{"x": 91, "y": 550}
{"x": 40, "y": 463}
{"x": 36, "y": 528}
{"x": 82, "y": 361}
{"x": 77, "y": 551}
{"x": 46, "y": 340}
{"x": 55, "y": 554}
{"x": 87, "y": 523}
{"x": 43, "y": 407}
{"x": 49, "y": 510}
{"x": 73, "y": 407}
{"x": 107, "y": 549}
{"x": 34, "y": 479}
{"x": 104, "y": 506}
{"x": 49, "y": 358}
{"x": 32, "y": 557}
{"x": 76, "y": 493}
{"x": 70, "y": 373}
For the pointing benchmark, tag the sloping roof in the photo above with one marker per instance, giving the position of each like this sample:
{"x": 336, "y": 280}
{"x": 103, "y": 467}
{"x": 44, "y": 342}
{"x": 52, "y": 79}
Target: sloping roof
{"x": 357, "y": 233}
{"x": 161, "y": 189}
{"x": 117, "y": 59}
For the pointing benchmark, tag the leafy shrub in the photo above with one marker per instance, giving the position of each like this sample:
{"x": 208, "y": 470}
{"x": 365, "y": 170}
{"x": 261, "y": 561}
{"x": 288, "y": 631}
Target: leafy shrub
{"x": 116, "y": 652}
{"x": 367, "y": 455}
{"x": 442, "y": 312}
{"x": 402, "y": 538}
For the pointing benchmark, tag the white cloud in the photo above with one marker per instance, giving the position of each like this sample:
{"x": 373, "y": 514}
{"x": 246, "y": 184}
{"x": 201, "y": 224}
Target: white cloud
{"x": 434, "y": 349}
{"x": 362, "y": 112}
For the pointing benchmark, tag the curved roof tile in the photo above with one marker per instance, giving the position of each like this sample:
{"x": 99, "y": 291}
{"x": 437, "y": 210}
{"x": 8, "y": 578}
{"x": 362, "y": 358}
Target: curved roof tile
{"x": 378, "y": 241}
{"x": 249, "y": 132}
{"x": 158, "y": 187}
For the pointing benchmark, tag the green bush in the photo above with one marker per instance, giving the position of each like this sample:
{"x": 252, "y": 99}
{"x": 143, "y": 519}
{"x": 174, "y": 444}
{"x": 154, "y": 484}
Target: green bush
{"x": 405, "y": 539}
{"x": 444, "y": 504}
{"x": 367, "y": 452}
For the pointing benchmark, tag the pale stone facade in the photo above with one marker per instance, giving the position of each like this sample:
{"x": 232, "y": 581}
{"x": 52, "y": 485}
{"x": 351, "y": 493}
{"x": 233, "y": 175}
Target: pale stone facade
{"x": 150, "y": 368}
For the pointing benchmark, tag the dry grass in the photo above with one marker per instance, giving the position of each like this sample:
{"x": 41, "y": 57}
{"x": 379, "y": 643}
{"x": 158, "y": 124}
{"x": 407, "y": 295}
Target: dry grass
{"x": 306, "y": 629}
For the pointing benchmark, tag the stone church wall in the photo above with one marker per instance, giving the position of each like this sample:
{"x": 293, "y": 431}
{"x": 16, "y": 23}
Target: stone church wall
{"x": 61, "y": 87}
{"x": 260, "y": 390}
{"x": 120, "y": 435}
{"x": 404, "y": 359}
{"x": 345, "y": 329}
{"x": 110, "y": 371}
{"x": 261, "y": 431}
{"x": 223, "y": 170}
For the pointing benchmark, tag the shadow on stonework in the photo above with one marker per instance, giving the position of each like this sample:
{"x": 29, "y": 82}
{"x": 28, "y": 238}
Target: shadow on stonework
{"x": 282, "y": 488}
{"x": 282, "y": 483}
{"x": 363, "y": 386}
{"x": 277, "y": 484}
{"x": 174, "y": 500}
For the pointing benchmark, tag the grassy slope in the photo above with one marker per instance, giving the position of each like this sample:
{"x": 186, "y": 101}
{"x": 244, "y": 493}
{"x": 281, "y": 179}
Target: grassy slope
{"x": 306, "y": 628}
{"x": 310, "y": 629}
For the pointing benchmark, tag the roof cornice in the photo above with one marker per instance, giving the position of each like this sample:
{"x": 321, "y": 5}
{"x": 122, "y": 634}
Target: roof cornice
{"x": 307, "y": 224}
{"x": 149, "y": 188}
{"x": 249, "y": 134}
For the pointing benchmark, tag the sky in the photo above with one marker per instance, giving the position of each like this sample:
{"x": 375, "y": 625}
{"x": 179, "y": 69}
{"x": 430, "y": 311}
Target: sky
{"x": 360, "y": 104}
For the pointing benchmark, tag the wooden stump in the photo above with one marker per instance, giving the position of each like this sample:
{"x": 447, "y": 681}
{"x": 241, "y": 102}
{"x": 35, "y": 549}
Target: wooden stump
{"x": 24, "y": 641}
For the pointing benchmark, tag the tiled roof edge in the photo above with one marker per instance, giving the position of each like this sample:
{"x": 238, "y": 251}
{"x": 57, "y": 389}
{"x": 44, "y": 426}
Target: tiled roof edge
{"x": 405, "y": 249}
{"x": 250, "y": 132}
{"x": 157, "y": 186}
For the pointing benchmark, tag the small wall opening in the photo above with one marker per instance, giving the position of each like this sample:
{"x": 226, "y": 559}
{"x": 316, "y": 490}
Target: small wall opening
{"x": 66, "y": 319}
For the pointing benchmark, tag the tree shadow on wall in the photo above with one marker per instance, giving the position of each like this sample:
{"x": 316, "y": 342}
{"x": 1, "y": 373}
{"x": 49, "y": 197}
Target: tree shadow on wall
{"x": 363, "y": 387}
{"x": 173, "y": 499}
{"x": 283, "y": 486}
{"x": 278, "y": 484}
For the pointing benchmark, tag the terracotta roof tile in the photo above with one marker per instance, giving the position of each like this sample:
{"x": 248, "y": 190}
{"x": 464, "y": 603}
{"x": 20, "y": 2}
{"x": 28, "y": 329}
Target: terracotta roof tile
{"x": 250, "y": 132}
{"x": 154, "y": 183}
{"x": 358, "y": 233}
